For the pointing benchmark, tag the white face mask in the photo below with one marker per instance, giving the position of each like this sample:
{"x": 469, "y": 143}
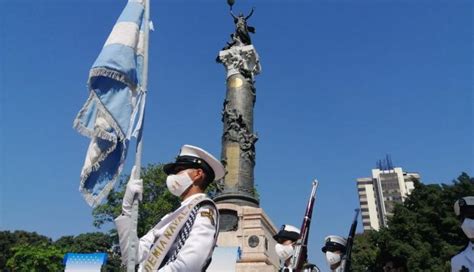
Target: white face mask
{"x": 468, "y": 227}
{"x": 284, "y": 251}
{"x": 177, "y": 184}
{"x": 332, "y": 258}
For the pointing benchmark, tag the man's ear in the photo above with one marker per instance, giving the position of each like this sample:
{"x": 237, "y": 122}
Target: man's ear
{"x": 202, "y": 176}
{"x": 201, "y": 179}
{"x": 198, "y": 176}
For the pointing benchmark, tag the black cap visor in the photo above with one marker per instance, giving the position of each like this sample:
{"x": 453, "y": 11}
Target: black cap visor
{"x": 187, "y": 162}
{"x": 467, "y": 211}
{"x": 283, "y": 235}
{"x": 333, "y": 246}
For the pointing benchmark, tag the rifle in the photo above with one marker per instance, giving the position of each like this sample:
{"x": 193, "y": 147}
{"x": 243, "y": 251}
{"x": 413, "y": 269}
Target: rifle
{"x": 346, "y": 260}
{"x": 301, "y": 252}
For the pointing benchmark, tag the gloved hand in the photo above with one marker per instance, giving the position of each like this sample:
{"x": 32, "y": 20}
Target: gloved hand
{"x": 134, "y": 187}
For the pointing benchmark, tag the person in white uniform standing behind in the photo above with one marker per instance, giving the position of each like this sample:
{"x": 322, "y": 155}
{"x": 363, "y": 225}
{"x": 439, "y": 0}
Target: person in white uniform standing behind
{"x": 285, "y": 248}
{"x": 464, "y": 209}
{"x": 184, "y": 239}
{"x": 334, "y": 248}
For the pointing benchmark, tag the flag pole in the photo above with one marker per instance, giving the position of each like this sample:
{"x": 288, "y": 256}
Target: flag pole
{"x": 133, "y": 238}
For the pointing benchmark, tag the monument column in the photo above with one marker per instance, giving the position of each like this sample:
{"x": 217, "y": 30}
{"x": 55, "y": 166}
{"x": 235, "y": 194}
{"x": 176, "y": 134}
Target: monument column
{"x": 243, "y": 226}
{"x": 238, "y": 140}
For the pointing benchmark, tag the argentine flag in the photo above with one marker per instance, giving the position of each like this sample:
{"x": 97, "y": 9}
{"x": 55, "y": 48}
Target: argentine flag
{"x": 113, "y": 113}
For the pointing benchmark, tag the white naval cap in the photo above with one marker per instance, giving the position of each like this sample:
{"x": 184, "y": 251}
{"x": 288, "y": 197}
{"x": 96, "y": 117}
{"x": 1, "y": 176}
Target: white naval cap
{"x": 334, "y": 243}
{"x": 287, "y": 232}
{"x": 464, "y": 207}
{"x": 194, "y": 157}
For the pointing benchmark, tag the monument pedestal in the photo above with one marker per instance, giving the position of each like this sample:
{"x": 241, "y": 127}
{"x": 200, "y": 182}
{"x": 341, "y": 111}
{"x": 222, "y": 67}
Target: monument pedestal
{"x": 250, "y": 229}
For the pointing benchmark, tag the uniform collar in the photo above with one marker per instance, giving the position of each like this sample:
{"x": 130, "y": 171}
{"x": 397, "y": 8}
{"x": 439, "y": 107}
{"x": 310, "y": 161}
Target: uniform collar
{"x": 469, "y": 252}
{"x": 189, "y": 199}
{"x": 470, "y": 247}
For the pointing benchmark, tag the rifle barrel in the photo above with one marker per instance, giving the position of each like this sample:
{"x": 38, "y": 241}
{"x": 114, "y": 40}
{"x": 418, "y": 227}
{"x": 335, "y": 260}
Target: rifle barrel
{"x": 300, "y": 256}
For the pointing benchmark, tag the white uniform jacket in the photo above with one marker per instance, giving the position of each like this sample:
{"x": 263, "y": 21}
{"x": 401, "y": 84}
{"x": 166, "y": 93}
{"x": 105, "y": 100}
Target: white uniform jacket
{"x": 195, "y": 251}
{"x": 464, "y": 261}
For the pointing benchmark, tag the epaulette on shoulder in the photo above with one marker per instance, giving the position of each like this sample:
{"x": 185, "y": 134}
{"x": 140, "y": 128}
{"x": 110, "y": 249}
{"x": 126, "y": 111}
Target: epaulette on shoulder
{"x": 207, "y": 202}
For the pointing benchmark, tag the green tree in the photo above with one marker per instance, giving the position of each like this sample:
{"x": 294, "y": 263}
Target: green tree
{"x": 423, "y": 233}
{"x": 91, "y": 243}
{"x": 157, "y": 200}
{"x": 32, "y": 258}
{"x": 8, "y": 240}
{"x": 86, "y": 242}
{"x": 364, "y": 251}
{"x": 19, "y": 245}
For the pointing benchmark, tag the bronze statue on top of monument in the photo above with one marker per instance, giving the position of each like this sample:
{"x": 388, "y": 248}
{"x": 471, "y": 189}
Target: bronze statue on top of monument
{"x": 242, "y": 30}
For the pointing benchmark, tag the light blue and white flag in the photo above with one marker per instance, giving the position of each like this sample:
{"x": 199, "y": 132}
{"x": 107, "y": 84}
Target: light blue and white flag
{"x": 113, "y": 113}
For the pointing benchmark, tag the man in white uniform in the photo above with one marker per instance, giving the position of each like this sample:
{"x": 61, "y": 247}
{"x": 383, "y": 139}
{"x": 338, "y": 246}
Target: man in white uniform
{"x": 184, "y": 239}
{"x": 285, "y": 247}
{"x": 334, "y": 249}
{"x": 286, "y": 240}
{"x": 464, "y": 209}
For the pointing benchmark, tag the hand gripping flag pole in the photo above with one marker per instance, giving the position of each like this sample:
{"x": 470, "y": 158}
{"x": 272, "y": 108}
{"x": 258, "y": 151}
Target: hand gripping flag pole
{"x": 133, "y": 238}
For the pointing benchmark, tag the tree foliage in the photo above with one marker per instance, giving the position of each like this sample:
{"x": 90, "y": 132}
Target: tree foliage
{"x": 8, "y": 240}
{"x": 86, "y": 242}
{"x": 32, "y": 258}
{"x": 29, "y": 251}
{"x": 364, "y": 251}
{"x": 91, "y": 243}
{"x": 422, "y": 235}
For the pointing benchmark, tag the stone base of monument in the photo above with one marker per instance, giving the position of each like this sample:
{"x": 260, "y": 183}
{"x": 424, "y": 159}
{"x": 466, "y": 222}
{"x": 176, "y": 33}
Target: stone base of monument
{"x": 250, "y": 229}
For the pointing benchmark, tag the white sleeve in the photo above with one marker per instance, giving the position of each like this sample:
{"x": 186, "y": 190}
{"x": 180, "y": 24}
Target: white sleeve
{"x": 123, "y": 223}
{"x": 199, "y": 245}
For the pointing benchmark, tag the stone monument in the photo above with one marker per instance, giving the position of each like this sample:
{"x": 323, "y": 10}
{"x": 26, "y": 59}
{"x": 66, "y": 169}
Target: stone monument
{"x": 243, "y": 224}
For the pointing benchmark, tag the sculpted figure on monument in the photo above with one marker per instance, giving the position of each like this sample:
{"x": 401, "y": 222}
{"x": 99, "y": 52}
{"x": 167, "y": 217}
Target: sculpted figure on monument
{"x": 242, "y": 30}
{"x": 237, "y": 131}
{"x": 247, "y": 145}
{"x": 246, "y": 73}
{"x": 233, "y": 122}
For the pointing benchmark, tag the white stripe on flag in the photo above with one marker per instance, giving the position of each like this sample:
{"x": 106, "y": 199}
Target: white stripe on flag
{"x": 125, "y": 33}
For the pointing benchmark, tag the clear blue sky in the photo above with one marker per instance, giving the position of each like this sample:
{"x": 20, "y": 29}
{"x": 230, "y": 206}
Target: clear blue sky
{"x": 343, "y": 83}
